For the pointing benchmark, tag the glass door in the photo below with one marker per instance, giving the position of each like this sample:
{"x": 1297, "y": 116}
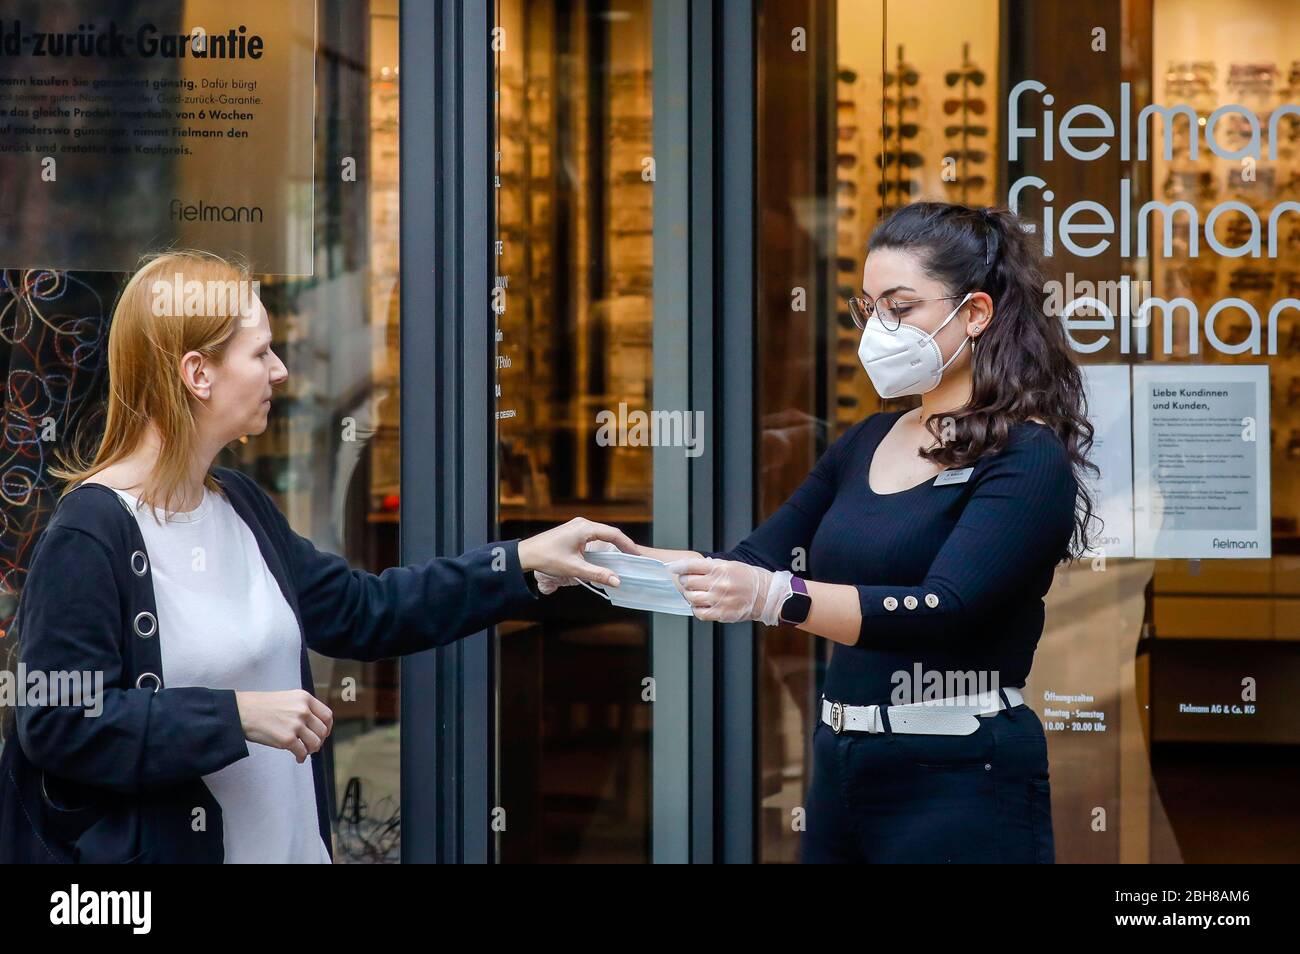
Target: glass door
{"x": 573, "y": 303}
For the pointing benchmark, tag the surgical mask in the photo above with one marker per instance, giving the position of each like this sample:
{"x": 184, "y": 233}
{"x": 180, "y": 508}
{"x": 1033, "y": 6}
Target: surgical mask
{"x": 905, "y": 361}
{"x": 645, "y": 583}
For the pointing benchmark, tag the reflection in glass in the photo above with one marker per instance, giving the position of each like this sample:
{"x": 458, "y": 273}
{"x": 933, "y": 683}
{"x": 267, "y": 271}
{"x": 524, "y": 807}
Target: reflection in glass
{"x": 329, "y": 456}
{"x": 574, "y": 318}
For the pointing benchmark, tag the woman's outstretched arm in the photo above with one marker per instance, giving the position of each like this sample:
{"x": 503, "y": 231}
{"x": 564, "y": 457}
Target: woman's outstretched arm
{"x": 781, "y": 541}
{"x": 349, "y": 613}
{"x": 1016, "y": 524}
{"x": 1013, "y": 528}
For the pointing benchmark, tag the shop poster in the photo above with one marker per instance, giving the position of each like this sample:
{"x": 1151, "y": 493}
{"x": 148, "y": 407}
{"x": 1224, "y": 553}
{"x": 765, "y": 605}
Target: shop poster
{"x": 130, "y": 126}
{"x": 1201, "y": 461}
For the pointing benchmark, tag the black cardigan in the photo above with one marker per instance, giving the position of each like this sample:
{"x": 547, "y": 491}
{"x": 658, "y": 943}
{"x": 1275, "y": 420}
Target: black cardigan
{"x": 126, "y": 785}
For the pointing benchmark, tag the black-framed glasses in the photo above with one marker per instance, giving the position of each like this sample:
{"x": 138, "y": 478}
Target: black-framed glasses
{"x": 909, "y": 159}
{"x": 974, "y": 182}
{"x": 889, "y": 310}
{"x": 902, "y": 187}
{"x": 956, "y": 76}
{"x": 905, "y": 131}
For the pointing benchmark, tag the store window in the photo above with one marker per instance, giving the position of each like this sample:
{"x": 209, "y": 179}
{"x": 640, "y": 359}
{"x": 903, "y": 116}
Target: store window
{"x": 342, "y": 483}
{"x": 573, "y": 207}
{"x": 329, "y": 456}
{"x": 1159, "y": 652}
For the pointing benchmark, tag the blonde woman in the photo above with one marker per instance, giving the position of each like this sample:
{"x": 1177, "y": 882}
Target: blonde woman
{"x": 188, "y": 590}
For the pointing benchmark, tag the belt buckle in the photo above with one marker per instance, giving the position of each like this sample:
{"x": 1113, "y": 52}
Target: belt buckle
{"x": 837, "y": 717}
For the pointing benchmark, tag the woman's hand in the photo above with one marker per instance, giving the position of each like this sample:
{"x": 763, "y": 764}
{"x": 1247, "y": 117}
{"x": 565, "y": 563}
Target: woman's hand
{"x": 727, "y": 591}
{"x": 293, "y": 719}
{"x": 549, "y": 584}
{"x": 558, "y": 553}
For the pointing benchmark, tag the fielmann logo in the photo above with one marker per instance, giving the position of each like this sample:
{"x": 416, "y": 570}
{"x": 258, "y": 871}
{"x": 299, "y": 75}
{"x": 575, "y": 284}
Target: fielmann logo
{"x": 181, "y": 211}
{"x": 1220, "y": 544}
{"x": 103, "y": 907}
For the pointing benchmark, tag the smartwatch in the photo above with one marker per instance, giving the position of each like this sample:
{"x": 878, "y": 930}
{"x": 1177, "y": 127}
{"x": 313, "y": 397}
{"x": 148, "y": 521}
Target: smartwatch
{"x": 798, "y": 604}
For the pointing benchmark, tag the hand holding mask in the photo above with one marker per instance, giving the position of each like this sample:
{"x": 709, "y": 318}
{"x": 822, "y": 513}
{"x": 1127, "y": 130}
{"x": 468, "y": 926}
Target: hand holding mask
{"x": 728, "y": 591}
{"x": 549, "y": 584}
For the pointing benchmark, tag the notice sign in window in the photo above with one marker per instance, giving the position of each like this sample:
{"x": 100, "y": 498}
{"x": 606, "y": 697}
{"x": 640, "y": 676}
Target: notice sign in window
{"x": 129, "y": 126}
{"x": 1201, "y": 461}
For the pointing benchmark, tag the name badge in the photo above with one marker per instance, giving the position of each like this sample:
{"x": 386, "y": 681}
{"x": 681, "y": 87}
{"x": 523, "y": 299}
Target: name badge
{"x": 954, "y": 477}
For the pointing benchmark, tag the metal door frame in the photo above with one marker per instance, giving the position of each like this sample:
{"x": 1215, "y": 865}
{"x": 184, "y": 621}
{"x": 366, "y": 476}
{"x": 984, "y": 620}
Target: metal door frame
{"x": 703, "y": 751}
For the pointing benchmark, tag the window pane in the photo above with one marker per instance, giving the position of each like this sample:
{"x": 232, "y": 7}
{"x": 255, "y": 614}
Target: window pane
{"x": 894, "y": 102}
{"x": 574, "y": 221}
{"x": 330, "y": 455}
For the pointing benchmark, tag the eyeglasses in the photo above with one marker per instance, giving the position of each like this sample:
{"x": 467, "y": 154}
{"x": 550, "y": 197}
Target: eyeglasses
{"x": 887, "y": 308}
{"x": 905, "y": 131}
{"x": 1183, "y": 183}
{"x": 1252, "y": 279}
{"x": 902, "y": 187}
{"x": 909, "y": 159}
{"x": 956, "y": 76}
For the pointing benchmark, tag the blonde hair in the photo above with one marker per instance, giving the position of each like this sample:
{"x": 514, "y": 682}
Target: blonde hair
{"x": 144, "y": 360}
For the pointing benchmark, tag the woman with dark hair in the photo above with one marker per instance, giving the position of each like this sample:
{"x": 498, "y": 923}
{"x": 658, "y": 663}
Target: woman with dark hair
{"x": 923, "y": 543}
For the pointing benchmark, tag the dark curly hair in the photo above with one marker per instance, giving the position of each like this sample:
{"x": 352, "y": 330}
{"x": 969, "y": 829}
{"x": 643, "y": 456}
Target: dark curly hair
{"x": 1025, "y": 367}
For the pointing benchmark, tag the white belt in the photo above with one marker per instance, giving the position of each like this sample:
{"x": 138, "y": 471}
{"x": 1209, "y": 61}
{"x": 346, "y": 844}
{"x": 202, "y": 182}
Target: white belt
{"x": 956, "y": 715}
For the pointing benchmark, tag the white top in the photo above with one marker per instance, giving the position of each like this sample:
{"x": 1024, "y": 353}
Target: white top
{"x": 224, "y": 623}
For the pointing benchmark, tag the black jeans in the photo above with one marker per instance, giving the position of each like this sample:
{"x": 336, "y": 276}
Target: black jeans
{"x": 889, "y": 797}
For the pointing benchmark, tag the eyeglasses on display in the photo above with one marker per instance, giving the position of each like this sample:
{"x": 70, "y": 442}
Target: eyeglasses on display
{"x": 956, "y": 76}
{"x": 909, "y": 159}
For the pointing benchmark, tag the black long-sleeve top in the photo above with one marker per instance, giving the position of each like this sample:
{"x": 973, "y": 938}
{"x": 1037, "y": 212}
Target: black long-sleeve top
{"x": 949, "y": 577}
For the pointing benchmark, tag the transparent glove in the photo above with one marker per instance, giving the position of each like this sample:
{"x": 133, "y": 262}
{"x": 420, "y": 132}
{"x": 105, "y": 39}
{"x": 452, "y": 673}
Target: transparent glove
{"x": 548, "y": 584}
{"x": 727, "y": 591}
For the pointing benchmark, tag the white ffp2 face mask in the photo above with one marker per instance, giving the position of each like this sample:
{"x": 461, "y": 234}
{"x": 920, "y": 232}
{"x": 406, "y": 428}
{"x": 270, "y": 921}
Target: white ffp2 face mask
{"x": 906, "y": 361}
